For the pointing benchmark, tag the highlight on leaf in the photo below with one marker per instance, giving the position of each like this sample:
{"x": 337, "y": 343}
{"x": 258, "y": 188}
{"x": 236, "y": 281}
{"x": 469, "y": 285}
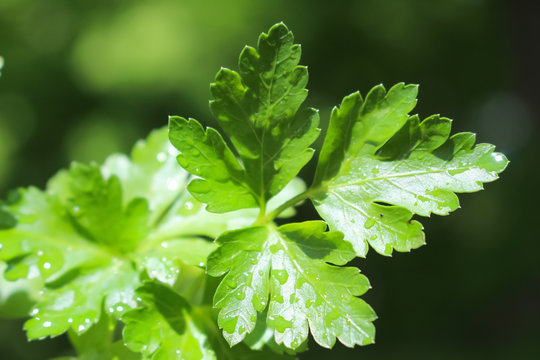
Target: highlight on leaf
{"x": 286, "y": 270}
{"x": 379, "y": 166}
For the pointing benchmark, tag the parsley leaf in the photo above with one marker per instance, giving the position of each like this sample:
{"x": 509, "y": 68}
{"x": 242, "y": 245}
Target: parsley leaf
{"x": 166, "y": 326}
{"x": 289, "y": 264}
{"x": 163, "y": 327}
{"x": 378, "y": 167}
{"x": 99, "y": 342}
{"x": 97, "y": 207}
{"x": 205, "y": 154}
{"x": 90, "y": 234}
{"x": 258, "y": 108}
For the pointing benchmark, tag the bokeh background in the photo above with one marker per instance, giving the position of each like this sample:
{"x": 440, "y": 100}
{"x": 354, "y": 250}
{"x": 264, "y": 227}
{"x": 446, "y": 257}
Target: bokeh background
{"x": 85, "y": 78}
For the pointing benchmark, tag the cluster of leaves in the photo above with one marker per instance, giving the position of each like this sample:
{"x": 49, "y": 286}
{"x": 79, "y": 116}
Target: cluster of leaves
{"x": 128, "y": 244}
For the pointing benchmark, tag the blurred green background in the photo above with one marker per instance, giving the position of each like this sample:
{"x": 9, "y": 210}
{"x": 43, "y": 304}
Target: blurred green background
{"x": 85, "y": 78}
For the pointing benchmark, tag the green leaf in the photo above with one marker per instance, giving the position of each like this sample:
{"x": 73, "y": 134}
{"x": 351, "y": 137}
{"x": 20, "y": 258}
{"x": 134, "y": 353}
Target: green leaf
{"x": 88, "y": 236}
{"x": 97, "y": 207}
{"x": 166, "y": 326}
{"x": 99, "y": 343}
{"x": 289, "y": 264}
{"x": 163, "y": 262}
{"x": 163, "y": 328}
{"x": 7, "y": 220}
{"x": 378, "y": 167}
{"x": 258, "y": 108}
{"x": 78, "y": 305}
{"x": 17, "y": 297}
{"x": 205, "y": 154}
{"x": 1, "y": 64}
{"x": 150, "y": 172}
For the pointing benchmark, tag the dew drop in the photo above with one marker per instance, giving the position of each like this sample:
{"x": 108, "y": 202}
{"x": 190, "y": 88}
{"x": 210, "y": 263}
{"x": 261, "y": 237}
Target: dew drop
{"x": 47, "y": 265}
{"x": 87, "y": 321}
{"x": 111, "y": 310}
{"x": 188, "y": 205}
{"x": 161, "y": 157}
{"x": 76, "y": 209}
{"x": 281, "y": 276}
{"x": 119, "y": 308}
{"x": 274, "y": 248}
{"x": 70, "y": 320}
{"x": 34, "y": 312}
{"x": 201, "y": 264}
{"x": 47, "y": 324}
{"x": 232, "y": 283}
{"x": 40, "y": 253}
{"x": 164, "y": 245}
{"x": 172, "y": 184}
{"x": 369, "y": 223}
{"x": 240, "y": 295}
{"x": 81, "y": 328}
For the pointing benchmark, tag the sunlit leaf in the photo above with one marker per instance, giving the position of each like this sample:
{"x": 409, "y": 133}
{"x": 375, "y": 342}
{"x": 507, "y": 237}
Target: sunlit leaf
{"x": 378, "y": 167}
{"x": 286, "y": 270}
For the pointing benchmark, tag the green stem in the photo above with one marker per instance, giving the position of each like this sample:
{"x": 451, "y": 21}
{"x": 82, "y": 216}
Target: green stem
{"x": 290, "y": 203}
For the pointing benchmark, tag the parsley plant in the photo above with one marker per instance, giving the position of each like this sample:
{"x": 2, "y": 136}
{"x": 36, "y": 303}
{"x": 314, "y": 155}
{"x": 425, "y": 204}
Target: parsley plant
{"x": 121, "y": 253}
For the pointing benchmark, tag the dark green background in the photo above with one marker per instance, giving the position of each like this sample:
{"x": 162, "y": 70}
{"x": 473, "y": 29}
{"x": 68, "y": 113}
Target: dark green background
{"x": 84, "y": 78}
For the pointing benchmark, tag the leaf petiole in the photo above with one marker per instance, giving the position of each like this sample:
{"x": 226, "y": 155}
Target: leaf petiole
{"x": 264, "y": 219}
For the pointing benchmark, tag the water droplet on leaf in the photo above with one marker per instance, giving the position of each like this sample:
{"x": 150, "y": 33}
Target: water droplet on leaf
{"x": 161, "y": 157}
{"x": 281, "y": 276}
{"x": 369, "y": 223}
{"x": 240, "y": 295}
